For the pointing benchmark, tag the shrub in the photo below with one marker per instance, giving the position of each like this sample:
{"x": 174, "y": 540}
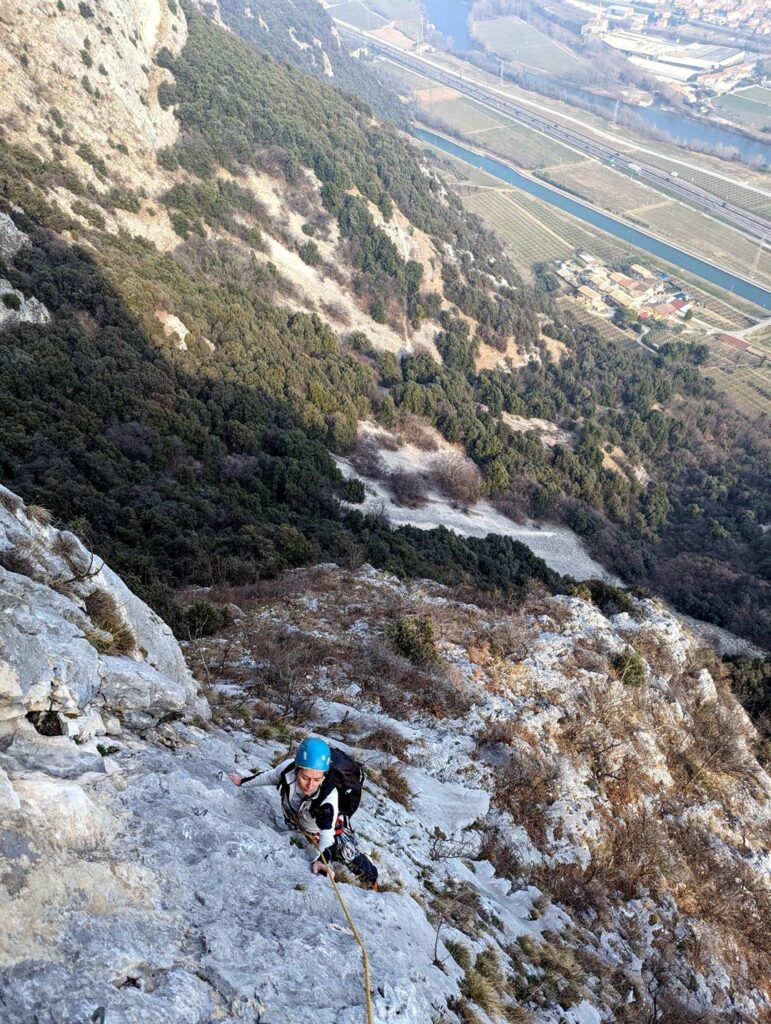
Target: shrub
{"x": 628, "y": 667}
{"x": 85, "y": 152}
{"x": 310, "y": 254}
{"x": 352, "y": 490}
{"x": 11, "y": 300}
{"x": 203, "y": 618}
{"x": 408, "y": 489}
{"x": 396, "y": 785}
{"x": 414, "y": 639}
{"x": 85, "y": 10}
{"x": 89, "y": 213}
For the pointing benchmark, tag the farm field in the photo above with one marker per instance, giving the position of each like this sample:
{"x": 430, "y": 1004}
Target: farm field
{"x": 396, "y": 10}
{"x": 405, "y": 82}
{"x": 355, "y": 13}
{"x": 733, "y": 189}
{"x": 495, "y": 132}
{"x": 603, "y": 186}
{"x": 760, "y": 337}
{"x": 516, "y": 40}
{"x": 727, "y": 181}
{"x": 708, "y": 238}
{"x": 751, "y": 107}
{"x": 515, "y": 223}
{"x": 534, "y": 231}
{"x": 747, "y": 383}
{"x": 527, "y": 238}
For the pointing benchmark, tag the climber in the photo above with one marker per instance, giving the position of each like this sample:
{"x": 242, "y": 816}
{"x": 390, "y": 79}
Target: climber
{"x": 320, "y": 789}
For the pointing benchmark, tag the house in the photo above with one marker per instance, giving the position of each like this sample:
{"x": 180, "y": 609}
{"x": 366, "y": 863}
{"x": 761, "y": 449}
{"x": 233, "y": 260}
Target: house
{"x": 587, "y": 260}
{"x": 591, "y": 298}
{"x": 640, "y": 271}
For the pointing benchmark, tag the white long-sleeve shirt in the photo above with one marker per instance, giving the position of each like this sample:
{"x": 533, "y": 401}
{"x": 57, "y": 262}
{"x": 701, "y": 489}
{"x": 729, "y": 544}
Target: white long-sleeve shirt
{"x": 304, "y": 813}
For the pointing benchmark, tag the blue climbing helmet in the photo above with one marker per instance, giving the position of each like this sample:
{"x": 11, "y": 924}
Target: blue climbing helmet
{"x": 314, "y": 754}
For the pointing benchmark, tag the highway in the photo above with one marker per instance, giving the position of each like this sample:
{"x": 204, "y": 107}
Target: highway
{"x": 744, "y": 220}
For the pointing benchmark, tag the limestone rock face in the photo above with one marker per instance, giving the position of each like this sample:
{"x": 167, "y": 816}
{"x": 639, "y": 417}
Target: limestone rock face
{"x": 75, "y": 643}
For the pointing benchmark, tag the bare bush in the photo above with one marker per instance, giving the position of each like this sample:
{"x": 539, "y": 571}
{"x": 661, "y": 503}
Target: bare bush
{"x": 496, "y": 731}
{"x": 402, "y": 687}
{"x": 525, "y": 787}
{"x": 414, "y": 431}
{"x": 336, "y": 311}
{"x": 457, "y": 478}
{"x": 367, "y": 460}
{"x": 408, "y": 489}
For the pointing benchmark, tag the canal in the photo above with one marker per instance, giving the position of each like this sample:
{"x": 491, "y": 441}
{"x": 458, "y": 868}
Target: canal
{"x": 634, "y": 236}
{"x": 451, "y": 18}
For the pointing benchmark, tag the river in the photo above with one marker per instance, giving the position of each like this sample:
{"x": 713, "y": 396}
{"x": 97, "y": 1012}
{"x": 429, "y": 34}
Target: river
{"x": 634, "y": 236}
{"x": 450, "y": 17}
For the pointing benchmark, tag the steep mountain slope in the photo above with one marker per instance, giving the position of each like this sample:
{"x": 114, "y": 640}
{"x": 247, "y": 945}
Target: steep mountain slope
{"x": 302, "y": 34}
{"x": 565, "y": 808}
{"x": 225, "y": 259}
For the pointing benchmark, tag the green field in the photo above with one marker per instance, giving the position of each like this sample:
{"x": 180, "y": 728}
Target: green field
{"x": 355, "y": 13}
{"x": 517, "y": 41}
{"x": 751, "y": 107}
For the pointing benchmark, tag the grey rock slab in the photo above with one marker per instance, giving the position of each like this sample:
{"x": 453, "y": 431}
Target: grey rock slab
{"x": 133, "y": 686}
{"x": 11, "y": 238}
{"x": 44, "y": 654}
{"x": 57, "y": 756}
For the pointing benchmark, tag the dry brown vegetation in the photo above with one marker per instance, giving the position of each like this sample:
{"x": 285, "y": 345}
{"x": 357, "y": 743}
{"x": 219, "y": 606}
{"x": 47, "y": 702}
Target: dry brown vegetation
{"x": 457, "y": 478}
{"x": 407, "y": 489}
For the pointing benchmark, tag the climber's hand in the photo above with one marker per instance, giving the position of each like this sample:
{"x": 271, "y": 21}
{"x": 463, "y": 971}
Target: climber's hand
{"x": 318, "y": 867}
{"x": 235, "y": 778}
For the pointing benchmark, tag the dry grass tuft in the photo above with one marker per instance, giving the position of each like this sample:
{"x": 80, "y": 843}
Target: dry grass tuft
{"x": 460, "y": 953}
{"x": 107, "y": 615}
{"x": 40, "y": 515}
{"x": 396, "y": 785}
{"x": 21, "y": 560}
{"x": 11, "y": 502}
{"x": 388, "y": 740}
{"x": 480, "y": 990}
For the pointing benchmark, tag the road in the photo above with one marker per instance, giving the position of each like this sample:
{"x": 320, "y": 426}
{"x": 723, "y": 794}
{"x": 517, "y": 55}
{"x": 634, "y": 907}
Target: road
{"x": 744, "y": 220}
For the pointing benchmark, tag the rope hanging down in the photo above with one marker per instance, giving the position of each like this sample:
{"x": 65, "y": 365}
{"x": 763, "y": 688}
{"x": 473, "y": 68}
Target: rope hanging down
{"x": 357, "y": 936}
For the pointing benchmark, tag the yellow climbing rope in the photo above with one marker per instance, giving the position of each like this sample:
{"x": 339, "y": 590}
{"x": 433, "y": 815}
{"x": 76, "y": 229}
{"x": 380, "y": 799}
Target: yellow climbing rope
{"x": 356, "y": 935}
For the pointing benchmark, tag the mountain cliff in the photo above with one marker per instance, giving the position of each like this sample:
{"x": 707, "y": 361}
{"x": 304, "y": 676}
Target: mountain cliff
{"x": 215, "y": 268}
{"x": 564, "y": 804}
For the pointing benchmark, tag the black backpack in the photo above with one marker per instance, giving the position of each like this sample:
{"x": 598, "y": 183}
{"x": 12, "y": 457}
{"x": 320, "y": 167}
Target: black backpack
{"x": 345, "y": 775}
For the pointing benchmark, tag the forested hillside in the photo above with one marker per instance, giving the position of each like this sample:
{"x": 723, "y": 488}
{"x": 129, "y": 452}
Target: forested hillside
{"x": 206, "y": 459}
{"x": 303, "y": 34}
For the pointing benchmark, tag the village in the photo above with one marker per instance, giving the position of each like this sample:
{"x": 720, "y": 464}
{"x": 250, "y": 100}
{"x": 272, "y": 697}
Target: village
{"x": 639, "y": 292}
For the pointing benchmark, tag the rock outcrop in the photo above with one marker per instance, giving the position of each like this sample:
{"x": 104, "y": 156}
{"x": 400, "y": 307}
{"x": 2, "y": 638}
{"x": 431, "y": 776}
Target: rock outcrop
{"x": 564, "y": 805}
